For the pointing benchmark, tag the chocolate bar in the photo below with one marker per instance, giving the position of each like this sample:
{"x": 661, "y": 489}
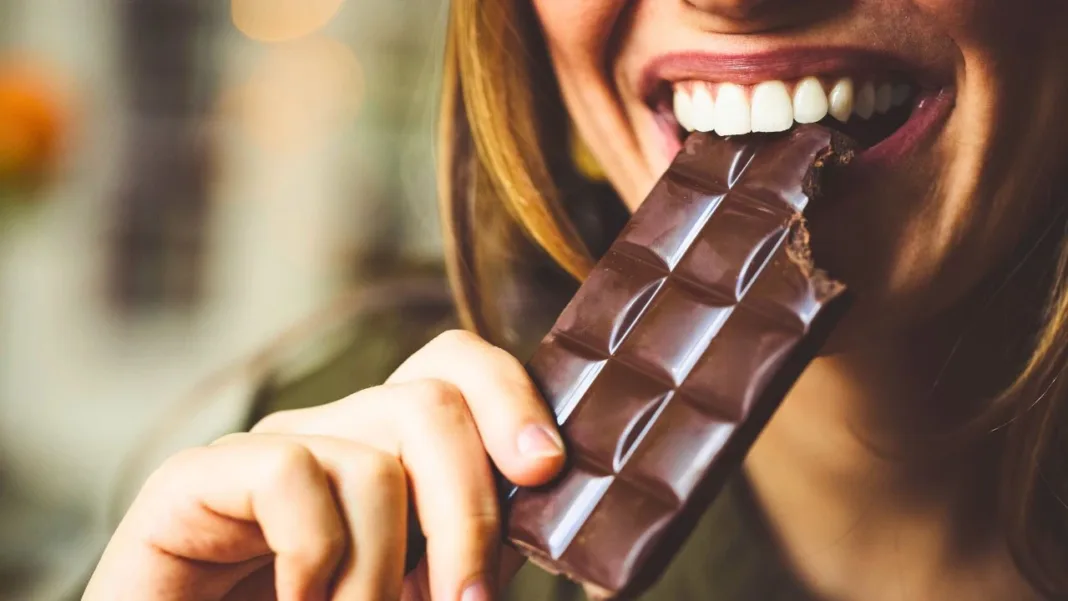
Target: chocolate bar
{"x": 674, "y": 354}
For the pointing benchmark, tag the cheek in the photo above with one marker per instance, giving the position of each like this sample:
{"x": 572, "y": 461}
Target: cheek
{"x": 981, "y": 24}
{"x": 578, "y": 28}
{"x": 955, "y": 14}
{"x": 580, "y": 35}
{"x": 955, "y": 216}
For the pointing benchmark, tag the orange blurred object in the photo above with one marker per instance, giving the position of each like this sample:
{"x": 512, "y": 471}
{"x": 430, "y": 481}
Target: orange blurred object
{"x": 33, "y": 122}
{"x": 281, "y": 20}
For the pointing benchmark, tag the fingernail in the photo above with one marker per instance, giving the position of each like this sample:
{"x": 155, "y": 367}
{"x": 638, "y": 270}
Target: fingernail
{"x": 539, "y": 442}
{"x": 478, "y": 591}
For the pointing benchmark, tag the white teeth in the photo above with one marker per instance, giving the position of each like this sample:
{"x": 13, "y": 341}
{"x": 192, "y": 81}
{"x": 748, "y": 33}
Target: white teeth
{"x": 683, "y": 108}
{"x": 732, "y": 116}
{"x": 810, "y": 103}
{"x": 772, "y": 108}
{"x": 732, "y": 110}
{"x": 883, "y": 96}
{"x": 865, "y": 105}
{"x": 703, "y": 109}
{"x": 900, "y": 94}
{"x": 841, "y": 99}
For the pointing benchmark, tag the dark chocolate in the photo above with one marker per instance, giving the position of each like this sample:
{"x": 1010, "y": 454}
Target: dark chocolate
{"x": 674, "y": 354}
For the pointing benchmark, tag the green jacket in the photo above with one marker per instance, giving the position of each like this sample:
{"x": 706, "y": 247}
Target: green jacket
{"x": 729, "y": 557}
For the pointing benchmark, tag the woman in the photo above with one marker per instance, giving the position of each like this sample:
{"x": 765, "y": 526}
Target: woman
{"x": 923, "y": 457}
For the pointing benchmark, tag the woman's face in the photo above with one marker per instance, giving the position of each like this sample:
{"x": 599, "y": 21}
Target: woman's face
{"x": 941, "y": 92}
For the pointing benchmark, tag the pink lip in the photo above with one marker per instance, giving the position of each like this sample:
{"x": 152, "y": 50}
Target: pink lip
{"x": 931, "y": 111}
{"x": 784, "y": 64}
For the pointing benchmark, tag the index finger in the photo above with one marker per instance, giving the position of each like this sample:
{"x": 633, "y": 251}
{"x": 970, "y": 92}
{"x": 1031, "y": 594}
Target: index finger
{"x": 515, "y": 424}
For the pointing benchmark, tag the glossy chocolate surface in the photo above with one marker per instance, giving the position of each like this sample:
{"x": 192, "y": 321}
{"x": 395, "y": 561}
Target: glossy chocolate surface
{"x": 674, "y": 353}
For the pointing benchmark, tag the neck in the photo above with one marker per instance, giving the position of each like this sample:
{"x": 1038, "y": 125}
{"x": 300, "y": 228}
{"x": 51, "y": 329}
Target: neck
{"x": 858, "y": 482}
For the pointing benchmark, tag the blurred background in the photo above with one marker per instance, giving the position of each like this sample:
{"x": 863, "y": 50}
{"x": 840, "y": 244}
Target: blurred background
{"x": 180, "y": 180}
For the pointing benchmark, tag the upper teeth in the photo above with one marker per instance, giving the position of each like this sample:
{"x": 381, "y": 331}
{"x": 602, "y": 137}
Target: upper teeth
{"x": 730, "y": 109}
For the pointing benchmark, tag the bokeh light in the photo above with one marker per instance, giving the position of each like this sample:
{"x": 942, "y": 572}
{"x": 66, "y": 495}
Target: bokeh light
{"x": 180, "y": 182}
{"x": 33, "y": 120}
{"x": 299, "y": 92}
{"x": 282, "y": 20}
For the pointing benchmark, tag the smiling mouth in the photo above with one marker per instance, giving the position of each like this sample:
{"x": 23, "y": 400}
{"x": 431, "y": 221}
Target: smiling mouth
{"x": 887, "y": 112}
{"x": 869, "y": 112}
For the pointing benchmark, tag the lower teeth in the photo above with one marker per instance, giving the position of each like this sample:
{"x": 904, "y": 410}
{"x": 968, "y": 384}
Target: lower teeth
{"x": 870, "y": 132}
{"x": 866, "y": 132}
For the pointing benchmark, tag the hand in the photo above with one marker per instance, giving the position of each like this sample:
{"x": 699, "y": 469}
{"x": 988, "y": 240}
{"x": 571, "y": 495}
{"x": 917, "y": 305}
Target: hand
{"x": 313, "y": 504}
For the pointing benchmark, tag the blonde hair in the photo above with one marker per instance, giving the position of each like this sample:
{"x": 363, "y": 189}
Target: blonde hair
{"x": 502, "y": 119}
{"x": 490, "y": 142}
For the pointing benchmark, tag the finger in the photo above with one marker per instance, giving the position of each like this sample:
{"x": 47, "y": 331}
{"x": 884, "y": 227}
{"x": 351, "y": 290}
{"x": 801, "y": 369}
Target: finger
{"x": 515, "y": 425}
{"x": 278, "y": 486}
{"x": 375, "y": 500}
{"x": 513, "y": 422}
{"x": 372, "y": 489}
{"x": 452, "y": 487}
{"x": 428, "y": 426}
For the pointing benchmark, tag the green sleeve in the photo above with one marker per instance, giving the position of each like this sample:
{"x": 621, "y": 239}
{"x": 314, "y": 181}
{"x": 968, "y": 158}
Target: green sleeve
{"x": 376, "y": 344}
{"x": 532, "y": 583}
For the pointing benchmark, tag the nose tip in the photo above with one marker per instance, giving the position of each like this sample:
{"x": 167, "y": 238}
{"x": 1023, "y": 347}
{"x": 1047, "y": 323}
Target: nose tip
{"x": 731, "y": 9}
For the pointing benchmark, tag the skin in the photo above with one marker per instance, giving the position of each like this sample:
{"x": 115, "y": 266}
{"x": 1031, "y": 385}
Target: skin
{"x": 309, "y": 505}
{"x": 887, "y": 518}
{"x": 322, "y": 492}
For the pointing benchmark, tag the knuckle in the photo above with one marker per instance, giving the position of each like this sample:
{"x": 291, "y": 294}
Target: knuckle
{"x": 487, "y": 525}
{"x": 385, "y": 472}
{"x": 433, "y": 406}
{"x": 186, "y": 460}
{"x": 281, "y": 421}
{"x": 479, "y": 529}
{"x": 320, "y": 547}
{"x": 288, "y": 460}
{"x": 332, "y": 543}
{"x": 513, "y": 376}
{"x": 374, "y": 481}
{"x": 501, "y": 363}
{"x": 380, "y": 473}
{"x": 444, "y": 409}
{"x": 486, "y": 518}
{"x": 173, "y": 464}
{"x": 231, "y": 438}
{"x": 434, "y": 396}
{"x": 457, "y": 338}
{"x": 452, "y": 344}
{"x": 512, "y": 365}
{"x": 170, "y": 476}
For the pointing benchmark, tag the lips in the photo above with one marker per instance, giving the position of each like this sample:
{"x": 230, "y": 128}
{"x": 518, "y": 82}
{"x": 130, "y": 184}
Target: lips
{"x": 886, "y": 105}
